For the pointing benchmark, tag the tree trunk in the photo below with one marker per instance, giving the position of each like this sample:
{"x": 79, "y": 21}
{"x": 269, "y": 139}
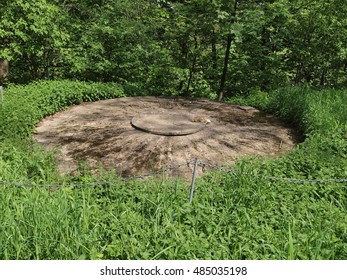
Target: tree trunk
{"x": 214, "y": 51}
{"x": 47, "y": 63}
{"x": 323, "y": 77}
{"x": 227, "y": 55}
{"x": 191, "y": 72}
{"x": 192, "y": 69}
{"x": 225, "y": 68}
{"x": 4, "y": 69}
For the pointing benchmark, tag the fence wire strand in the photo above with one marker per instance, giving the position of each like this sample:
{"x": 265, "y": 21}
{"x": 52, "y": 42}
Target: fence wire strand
{"x": 188, "y": 164}
{"x": 97, "y": 183}
{"x": 291, "y": 180}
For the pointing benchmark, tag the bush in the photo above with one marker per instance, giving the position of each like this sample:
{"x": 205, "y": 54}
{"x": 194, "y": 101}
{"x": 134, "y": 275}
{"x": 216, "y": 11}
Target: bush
{"x": 26, "y": 105}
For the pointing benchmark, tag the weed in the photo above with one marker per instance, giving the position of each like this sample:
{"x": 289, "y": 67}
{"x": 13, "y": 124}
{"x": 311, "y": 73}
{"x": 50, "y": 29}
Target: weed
{"x": 233, "y": 216}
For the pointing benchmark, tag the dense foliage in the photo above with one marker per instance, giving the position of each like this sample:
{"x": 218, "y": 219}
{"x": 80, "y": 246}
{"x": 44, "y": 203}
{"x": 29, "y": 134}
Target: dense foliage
{"x": 25, "y": 106}
{"x": 286, "y": 57}
{"x": 186, "y": 47}
{"x": 238, "y": 215}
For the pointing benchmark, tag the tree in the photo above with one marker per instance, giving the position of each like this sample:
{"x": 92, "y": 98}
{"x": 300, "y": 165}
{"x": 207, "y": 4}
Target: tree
{"x": 4, "y": 66}
{"x": 319, "y": 41}
{"x": 231, "y": 11}
{"x": 214, "y": 48}
{"x": 34, "y": 36}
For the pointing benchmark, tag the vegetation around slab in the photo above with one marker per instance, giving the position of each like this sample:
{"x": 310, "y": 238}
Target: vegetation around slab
{"x": 233, "y": 215}
{"x": 286, "y": 57}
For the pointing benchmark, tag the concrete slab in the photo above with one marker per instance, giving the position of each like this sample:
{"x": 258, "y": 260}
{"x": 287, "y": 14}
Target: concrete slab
{"x": 167, "y": 124}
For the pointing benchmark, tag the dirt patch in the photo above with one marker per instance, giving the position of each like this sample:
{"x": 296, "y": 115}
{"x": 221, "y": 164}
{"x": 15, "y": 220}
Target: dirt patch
{"x": 102, "y": 134}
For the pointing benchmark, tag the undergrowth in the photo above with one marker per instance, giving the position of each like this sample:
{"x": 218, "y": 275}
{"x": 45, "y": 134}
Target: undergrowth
{"x": 25, "y": 106}
{"x": 240, "y": 215}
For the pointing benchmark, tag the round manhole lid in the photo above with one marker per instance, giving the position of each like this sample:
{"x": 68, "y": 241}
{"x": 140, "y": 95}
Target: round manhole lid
{"x": 167, "y": 124}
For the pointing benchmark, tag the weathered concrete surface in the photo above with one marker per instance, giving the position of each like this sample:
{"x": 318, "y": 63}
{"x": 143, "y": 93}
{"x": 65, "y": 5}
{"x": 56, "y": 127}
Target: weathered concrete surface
{"x": 168, "y": 124}
{"x": 101, "y": 133}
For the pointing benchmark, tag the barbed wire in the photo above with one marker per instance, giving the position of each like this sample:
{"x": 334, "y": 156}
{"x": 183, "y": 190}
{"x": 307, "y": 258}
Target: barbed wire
{"x": 97, "y": 183}
{"x": 204, "y": 166}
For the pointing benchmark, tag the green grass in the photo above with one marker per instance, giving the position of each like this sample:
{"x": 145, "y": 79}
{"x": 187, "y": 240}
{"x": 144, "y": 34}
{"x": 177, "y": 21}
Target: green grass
{"x": 233, "y": 216}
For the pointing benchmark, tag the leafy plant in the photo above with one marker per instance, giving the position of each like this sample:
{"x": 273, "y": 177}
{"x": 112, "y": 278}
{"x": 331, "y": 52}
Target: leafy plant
{"x": 234, "y": 215}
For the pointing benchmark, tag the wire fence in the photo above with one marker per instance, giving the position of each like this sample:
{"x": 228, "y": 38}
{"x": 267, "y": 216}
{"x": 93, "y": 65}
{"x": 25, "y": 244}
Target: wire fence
{"x": 216, "y": 167}
{"x": 196, "y": 163}
{"x": 205, "y": 166}
{"x": 96, "y": 183}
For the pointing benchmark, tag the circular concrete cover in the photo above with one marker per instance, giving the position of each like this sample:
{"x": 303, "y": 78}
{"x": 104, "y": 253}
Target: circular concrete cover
{"x": 101, "y": 134}
{"x": 167, "y": 124}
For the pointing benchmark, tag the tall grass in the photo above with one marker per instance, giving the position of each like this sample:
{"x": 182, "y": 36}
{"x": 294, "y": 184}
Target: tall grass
{"x": 42, "y": 223}
{"x": 321, "y": 111}
{"x": 233, "y": 215}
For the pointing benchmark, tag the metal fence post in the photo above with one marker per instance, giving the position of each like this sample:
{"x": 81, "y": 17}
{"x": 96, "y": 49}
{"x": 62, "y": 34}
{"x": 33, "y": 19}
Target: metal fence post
{"x": 192, "y": 186}
{"x": 2, "y": 98}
